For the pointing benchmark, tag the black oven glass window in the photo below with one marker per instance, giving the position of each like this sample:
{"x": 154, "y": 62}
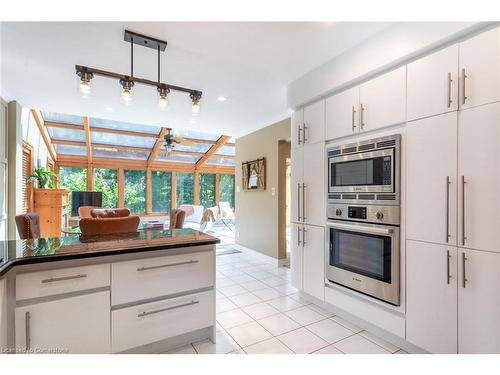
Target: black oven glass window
{"x": 365, "y": 254}
{"x": 358, "y": 172}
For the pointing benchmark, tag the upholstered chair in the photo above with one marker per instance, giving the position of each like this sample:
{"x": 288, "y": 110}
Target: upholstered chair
{"x": 103, "y": 213}
{"x": 177, "y": 219}
{"x": 109, "y": 225}
{"x": 28, "y": 225}
{"x": 84, "y": 211}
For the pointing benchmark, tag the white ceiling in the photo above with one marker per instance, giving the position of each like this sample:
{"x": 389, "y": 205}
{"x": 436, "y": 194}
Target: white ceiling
{"x": 249, "y": 63}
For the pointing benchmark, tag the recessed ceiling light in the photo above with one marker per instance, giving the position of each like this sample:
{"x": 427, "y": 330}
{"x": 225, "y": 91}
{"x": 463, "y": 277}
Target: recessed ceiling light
{"x": 221, "y": 98}
{"x": 108, "y": 108}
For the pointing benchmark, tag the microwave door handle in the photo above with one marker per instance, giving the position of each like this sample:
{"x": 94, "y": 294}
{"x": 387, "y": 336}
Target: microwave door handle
{"x": 362, "y": 229}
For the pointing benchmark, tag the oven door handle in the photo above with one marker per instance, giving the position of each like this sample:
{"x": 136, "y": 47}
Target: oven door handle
{"x": 363, "y": 229}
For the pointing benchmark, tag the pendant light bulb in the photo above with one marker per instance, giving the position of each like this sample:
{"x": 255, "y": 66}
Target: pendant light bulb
{"x": 163, "y": 100}
{"x": 195, "y": 98}
{"x": 127, "y": 85}
{"x": 85, "y": 85}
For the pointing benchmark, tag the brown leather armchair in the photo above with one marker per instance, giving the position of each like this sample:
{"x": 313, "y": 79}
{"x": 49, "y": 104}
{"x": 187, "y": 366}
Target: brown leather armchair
{"x": 109, "y": 225}
{"x": 28, "y": 225}
{"x": 109, "y": 212}
{"x": 177, "y": 218}
{"x": 84, "y": 211}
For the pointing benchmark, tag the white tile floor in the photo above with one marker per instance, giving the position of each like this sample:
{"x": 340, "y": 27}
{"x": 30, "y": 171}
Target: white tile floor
{"x": 260, "y": 312}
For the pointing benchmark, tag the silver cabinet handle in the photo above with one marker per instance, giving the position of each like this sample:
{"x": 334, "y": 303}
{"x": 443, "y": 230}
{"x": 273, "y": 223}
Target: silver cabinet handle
{"x": 304, "y": 242}
{"x": 54, "y": 279}
{"x": 464, "y": 237}
{"x": 353, "y": 125}
{"x": 299, "y": 216}
{"x": 146, "y": 313}
{"x": 27, "y": 318}
{"x": 361, "y": 116}
{"x": 464, "y": 77}
{"x": 450, "y": 100}
{"x": 298, "y": 237}
{"x": 167, "y": 265}
{"x": 464, "y": 276}
{"x": 447, "y": 209}
{"x": 304, "y": 127}
{"x": 448, "y": 276}
{"x": 304, "y": 202}
{"x": 299, "y": 130}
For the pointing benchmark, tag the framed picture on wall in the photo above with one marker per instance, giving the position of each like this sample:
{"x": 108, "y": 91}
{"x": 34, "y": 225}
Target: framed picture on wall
{"x": 254, "y": 175}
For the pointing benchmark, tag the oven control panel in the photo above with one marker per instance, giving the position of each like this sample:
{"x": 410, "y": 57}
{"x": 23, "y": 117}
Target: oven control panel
{"x": 364, "y": 213}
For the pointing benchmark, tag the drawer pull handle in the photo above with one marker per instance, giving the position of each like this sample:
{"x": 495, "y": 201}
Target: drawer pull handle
{"x": 146, "y": 313}
{"x": 54, "y": 279}
{"x": 28, "y": 330}
{"x": 167, "y": 265}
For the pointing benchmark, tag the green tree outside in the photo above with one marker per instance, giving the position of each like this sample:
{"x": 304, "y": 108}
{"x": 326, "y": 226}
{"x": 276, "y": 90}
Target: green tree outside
{"x": 161, "y": 190}
{"x": 135, "y": 191}
{"x": 226, "y": 186}
{"x": 184, "y": 188}
{"x": 106, "y": 181}
{"x": 73, "y": 179}
{"x": 207, "y": 189}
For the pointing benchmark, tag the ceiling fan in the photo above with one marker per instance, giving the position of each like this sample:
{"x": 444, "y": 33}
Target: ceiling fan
{"x": 171, "y": 141}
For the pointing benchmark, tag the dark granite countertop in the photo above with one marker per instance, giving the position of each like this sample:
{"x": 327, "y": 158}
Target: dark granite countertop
{"x": 19, "y": 252}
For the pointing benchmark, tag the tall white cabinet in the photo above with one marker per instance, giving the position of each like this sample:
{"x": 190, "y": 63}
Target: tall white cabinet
{"x": 308, "y": 210}
{"x": 3, "y": 171}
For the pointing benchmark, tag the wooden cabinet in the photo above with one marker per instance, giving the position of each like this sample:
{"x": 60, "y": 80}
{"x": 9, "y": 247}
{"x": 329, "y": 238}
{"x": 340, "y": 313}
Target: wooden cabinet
{"x": 431, "y": 296}
{"x": 431, "y": 174}
{"x": 479, "y": 166}
{"x": 308, "y": 125}
{"x": 480, "y": 69}
{"x": 296, "y": 255}
{"x": 383, "y": 100}
{"x": 313, "y": 259}
{"x": 479, "y": 302}
{"x": 50, "y": 204}
{"x": 342, "y": 114}
{"x": 75, "y": 325}
{"x": 433, "y": 84}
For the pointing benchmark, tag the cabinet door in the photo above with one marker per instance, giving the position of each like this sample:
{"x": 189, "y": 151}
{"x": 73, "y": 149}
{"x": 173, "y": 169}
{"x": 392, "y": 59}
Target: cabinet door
{"x": 297, "y": 124}
{"x": 480, "y": 62}
{"x": 383, "y": 100}
{"x": 431, "y": 175}
{"x": 431, "y": 296}
{"x": 314, "y": 122}
{"x": 479, "y": 165}
{"x": 479, "y": 302}
{"x": 296, "y": 178}
{"x": 313, "y": 193}
{"x": 296, "y": 255}
{"x": 314, "y": 261}
{"x": 341, "y": 113}
{"x": 77, "y": 324}
{"x": 433, "y": 84}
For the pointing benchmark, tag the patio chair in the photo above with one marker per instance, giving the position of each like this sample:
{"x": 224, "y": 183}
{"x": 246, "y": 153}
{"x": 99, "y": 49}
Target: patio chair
{"x": 226, "y": 215}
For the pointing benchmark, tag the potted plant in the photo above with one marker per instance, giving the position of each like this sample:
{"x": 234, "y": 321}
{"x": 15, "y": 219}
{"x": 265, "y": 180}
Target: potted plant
{"x": 45, "y": 179}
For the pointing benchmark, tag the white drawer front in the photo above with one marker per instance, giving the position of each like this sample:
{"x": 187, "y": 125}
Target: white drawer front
{"x": 64, "y": 280}
{"x": 154, "y": 277}
{"x": 147, "y": 323}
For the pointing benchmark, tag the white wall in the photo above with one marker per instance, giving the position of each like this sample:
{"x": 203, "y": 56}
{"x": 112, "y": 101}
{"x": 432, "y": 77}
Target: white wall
{"x": 391, "y": 47}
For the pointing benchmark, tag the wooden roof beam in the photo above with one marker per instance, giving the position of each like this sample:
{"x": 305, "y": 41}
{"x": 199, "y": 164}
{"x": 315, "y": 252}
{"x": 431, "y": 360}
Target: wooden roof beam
{"x": 157, "y": 146}
{"x": 212, "y": 151}
{"x": 45, "y": 134}
{"x": 86, "y": 128}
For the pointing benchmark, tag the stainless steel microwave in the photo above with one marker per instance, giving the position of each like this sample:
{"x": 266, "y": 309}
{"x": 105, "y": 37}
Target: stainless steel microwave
{"x": 366, "y": 168}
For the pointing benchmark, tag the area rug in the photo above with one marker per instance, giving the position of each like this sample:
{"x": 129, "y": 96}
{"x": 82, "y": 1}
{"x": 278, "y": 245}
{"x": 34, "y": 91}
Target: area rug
{"x": 226, "y": 250}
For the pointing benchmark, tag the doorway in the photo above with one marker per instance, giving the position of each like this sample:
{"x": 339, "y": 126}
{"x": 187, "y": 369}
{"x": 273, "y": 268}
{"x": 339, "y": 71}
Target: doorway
{"x": 284, "y": 202}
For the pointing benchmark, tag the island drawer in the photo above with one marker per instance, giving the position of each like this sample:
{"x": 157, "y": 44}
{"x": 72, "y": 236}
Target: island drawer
{"x": 155, "y": 277}
{"x": 150, "y": 322}
{"x": 61, "y": 280}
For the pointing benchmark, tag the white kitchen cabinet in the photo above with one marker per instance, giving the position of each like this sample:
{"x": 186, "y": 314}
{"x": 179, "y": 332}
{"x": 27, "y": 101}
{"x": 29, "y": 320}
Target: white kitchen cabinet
{"x": 75, "y": 325}
{"x": 431, "y": 175}
{"x": 313, "y": 258}
{"x": 480, "y": 69}
{"x": 296, "y": 255}
{"x": 313, "y": 193}
{"x": 296, "y": 177}
{"x": 479, "y": 166}
{"x": 308, "y": 125}
{"x": 479, "y": 302}
{"x": 341, "y": 114}
{"x": 433, "y": 84}
{"x": 431, "y": 296}
{"x": 383, "y": 100}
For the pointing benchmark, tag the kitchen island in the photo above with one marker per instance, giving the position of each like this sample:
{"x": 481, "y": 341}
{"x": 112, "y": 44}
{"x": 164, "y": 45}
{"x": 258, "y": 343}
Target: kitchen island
{"x": 143, "y": 292}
